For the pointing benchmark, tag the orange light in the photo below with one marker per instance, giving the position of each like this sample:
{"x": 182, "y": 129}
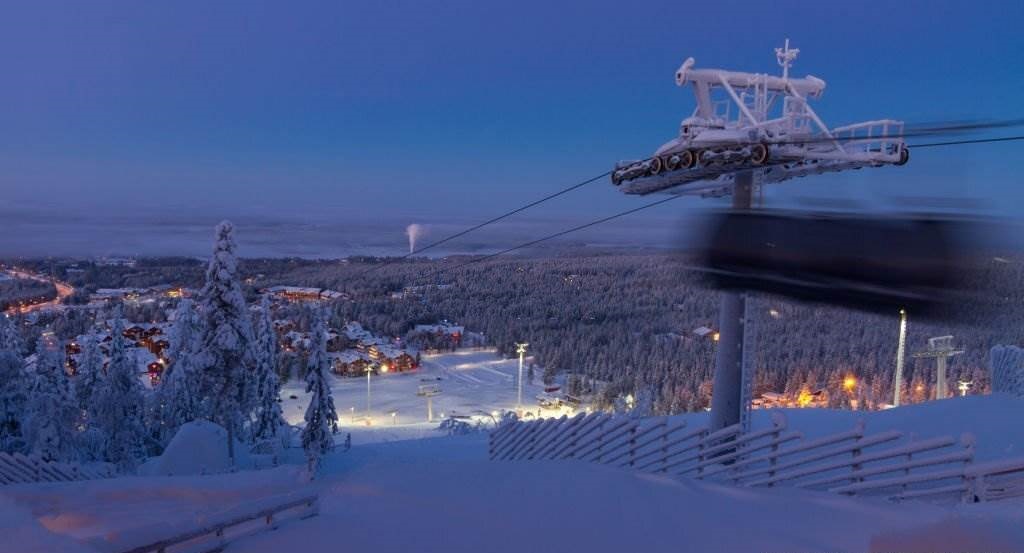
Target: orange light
{"x": 715, "y": 336}
{"x": 849, "y": 383}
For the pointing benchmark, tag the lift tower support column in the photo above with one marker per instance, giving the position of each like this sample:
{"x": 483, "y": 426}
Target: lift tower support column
{"x": 726, "y": 395}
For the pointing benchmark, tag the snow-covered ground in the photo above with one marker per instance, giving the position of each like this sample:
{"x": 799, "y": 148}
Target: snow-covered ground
{"x": 443, "y": 494}
{"x": 472, "y": 383}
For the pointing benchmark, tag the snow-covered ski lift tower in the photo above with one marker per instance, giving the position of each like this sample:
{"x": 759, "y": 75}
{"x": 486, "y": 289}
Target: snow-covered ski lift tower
{"x": 759, "y": 123}
{"x": 751, "y": 129}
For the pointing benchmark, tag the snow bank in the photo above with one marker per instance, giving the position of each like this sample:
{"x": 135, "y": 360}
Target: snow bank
{"x": 113, "y": 514}
{"x": 953, "y": 535}
{"x": 23, "y": 533}
{"x": 199, "y": 447}
{"x": 434, "y": 495}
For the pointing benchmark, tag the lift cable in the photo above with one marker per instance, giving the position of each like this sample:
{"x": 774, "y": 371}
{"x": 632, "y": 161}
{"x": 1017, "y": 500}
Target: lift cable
{"x": 493, "y": 220}
{"x": 665, "y": 200}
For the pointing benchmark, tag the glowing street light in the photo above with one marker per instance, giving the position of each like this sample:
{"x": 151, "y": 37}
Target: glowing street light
{"x": 521, "y": 350}
{"x": 849, "y": 383}
{"x": 369, "y": 372}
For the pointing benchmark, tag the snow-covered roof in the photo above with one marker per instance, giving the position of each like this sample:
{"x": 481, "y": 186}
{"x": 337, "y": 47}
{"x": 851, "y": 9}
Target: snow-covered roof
{"x": 445, "y": 328}
{"x": 349, "y": 356}
{"x": 702, "y": 331}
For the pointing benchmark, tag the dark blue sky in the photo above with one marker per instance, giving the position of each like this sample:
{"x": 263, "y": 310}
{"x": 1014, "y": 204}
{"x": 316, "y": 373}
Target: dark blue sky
{"x": 378, "y": 114}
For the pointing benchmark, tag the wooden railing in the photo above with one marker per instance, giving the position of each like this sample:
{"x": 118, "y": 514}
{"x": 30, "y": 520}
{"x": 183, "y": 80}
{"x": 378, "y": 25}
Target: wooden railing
{"x": 214, "y": 535}
{"x": 849, "y": 462}
{"x": 16, "y": 468}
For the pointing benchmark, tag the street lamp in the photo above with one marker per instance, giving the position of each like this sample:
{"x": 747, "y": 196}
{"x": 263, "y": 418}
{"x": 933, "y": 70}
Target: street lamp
{"x": 521, "y": 350}
{"x": 369, "y": 372}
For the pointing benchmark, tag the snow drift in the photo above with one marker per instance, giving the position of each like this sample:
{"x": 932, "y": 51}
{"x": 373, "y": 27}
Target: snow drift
{"x": 199, "y": 447}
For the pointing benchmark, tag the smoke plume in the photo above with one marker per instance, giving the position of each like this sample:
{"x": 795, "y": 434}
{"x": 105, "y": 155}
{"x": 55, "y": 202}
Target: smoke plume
{"x": 414, "y": 231}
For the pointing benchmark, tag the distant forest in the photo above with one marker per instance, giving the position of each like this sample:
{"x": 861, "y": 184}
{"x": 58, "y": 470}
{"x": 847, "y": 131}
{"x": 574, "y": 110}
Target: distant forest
{"x": 16, "y": 290}
{"x": 622, "y": 322}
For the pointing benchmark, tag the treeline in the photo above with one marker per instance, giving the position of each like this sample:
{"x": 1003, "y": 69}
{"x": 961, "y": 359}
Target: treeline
{"x": 629, "y": 320}
{"x": 15, "y": 291}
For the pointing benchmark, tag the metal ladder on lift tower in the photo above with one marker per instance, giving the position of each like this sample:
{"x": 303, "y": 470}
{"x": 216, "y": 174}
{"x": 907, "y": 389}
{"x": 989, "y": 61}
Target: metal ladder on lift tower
{"x": 748, "y": 361}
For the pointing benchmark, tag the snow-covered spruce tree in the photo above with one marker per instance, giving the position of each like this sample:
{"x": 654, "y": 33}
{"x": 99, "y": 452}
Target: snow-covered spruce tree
{"x": 224, "y": 359}
{"x": 321, "y": 419}
{"x": 87, "y": 383}
{"x": 174, "y": 402}
{"x": 10, "y": 338}
{"x": 267, "y": 425}
{"x": 14, "y": 385}
{"x": 120, "y": 405}
{"x": 52, "y": 417}
{"x": 89, "y": 375}
{"x": 1006, "y": 365}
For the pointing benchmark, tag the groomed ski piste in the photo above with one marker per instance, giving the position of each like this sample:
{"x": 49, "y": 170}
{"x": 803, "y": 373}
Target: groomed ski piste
{"x": 409, "y": 487}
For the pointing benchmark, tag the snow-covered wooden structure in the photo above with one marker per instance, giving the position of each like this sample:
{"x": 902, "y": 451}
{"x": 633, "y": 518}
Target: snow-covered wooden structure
{"x": 851, "y": 463}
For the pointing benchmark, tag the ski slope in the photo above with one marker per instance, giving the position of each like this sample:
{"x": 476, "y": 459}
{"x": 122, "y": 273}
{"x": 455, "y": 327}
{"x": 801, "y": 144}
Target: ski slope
{"x": 472, "y": 383}
{"x": 441, "y": 493}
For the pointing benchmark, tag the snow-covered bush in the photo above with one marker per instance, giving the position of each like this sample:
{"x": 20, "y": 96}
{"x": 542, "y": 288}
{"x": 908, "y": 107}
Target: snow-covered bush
{"x": 198, "y": 447}
{"x": 457, "y": 427}
{"x": 1007, "y": 366}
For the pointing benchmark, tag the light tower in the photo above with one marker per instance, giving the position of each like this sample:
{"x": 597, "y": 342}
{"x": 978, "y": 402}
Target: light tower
{"x": 521, "y": 350}
{"x": 901, "y": 348}
{"x": 940, "y": 348}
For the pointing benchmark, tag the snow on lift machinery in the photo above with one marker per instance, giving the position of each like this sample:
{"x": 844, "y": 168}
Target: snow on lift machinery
{"x": 763, "y": 124}
{"x": 762, "y": 127}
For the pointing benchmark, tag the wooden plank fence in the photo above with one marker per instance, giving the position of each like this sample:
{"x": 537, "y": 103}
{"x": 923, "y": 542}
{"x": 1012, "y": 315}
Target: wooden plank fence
{"x": 215, "y": 534}
{"x": 851, "y": 463}
{"x": 21, "y": 469}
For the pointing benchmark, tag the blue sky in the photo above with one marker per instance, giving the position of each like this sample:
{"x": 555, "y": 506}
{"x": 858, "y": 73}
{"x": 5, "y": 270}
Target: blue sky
{"x": 378, "y": 114}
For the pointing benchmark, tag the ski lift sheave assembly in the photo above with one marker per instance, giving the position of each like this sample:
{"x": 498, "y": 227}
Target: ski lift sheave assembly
{"x": 759, "y": 123}
{"x": 748, "y": 130}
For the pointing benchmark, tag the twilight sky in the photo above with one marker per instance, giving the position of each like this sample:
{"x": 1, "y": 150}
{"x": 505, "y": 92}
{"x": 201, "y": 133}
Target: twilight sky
{"x": 126, "y": 126}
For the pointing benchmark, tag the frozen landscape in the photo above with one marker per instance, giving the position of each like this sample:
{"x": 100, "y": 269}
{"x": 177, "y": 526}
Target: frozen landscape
{"x": 448, "y": 306}
{"x": 448, "y": 496}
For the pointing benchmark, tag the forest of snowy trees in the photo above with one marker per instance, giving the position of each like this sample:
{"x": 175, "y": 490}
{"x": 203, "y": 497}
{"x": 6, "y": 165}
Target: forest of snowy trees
{"x": 222, "y": 367}
{"x": 626, "y": 320}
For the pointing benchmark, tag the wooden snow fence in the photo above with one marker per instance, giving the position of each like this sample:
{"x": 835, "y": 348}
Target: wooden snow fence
{"x": 16, "y": 468}
{"x": 886, "y": 464}
{"x": 215, "y": 534}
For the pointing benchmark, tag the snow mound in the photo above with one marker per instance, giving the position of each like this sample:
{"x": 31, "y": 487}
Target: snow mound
{"x": 20, "y": 529}
{"x": 199, "y": 447}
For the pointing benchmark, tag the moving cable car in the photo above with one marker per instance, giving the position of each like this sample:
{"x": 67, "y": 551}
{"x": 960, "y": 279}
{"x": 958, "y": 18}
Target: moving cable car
{"x": 872, "y": 263}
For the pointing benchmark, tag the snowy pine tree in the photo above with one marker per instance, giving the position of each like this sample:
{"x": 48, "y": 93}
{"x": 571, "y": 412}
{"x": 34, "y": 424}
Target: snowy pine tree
{"x": 89, "y": 374}
{"x": 10, "y": 338}
{"x": 1006, "y": 365}
{"x": 120, "y": 405}
{"x": 321, "y": 419}
{"x": 268, "y": 388}
{"x": 224, "y": 359}
{"x": 14, "y": 384}
{"x": 174, "y": 401}
{"x": 52, "y": 416}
